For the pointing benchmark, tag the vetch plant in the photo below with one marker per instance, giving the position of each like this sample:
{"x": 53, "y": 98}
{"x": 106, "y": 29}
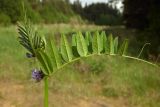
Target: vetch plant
{"x": 51, "y": 58}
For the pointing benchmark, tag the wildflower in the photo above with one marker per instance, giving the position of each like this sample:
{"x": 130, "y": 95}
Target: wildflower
{"x": 37, "y": 75}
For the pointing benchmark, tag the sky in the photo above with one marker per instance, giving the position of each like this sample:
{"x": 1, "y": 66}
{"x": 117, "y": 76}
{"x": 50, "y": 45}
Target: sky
{"x": 89, "y": 1}
{"x": 95, "y": 1}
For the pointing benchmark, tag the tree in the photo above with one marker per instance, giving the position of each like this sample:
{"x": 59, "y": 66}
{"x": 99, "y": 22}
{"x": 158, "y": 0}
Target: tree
{"x": 144, "y": 16}
{"x": 77, "y": 7}
{"x": 153, "y": 32}
{"x": 136, "y": 13}
{"x": 53, "y": 11}
{"x": 12, "y": 8}
{"x": 102, "y": 14}
{"x": 99, "y": 13}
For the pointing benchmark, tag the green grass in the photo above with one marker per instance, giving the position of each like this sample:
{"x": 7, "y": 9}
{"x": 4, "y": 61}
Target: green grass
{"x": 96, "y": 80}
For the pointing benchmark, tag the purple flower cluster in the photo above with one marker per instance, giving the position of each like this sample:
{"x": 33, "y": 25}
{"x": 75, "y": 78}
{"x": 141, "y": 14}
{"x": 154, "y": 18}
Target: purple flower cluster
{"x": 37, "y": 75}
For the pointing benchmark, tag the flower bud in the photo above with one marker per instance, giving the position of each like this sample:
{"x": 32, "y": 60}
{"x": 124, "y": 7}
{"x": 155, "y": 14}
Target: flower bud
{"x": 37, "y": 75}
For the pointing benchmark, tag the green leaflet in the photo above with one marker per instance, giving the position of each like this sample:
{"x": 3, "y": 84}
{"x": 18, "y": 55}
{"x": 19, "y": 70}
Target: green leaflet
{"x": 45, "y": 62}
{"x": 111, "y": 44}
{"x": 115, "y": 45}
{"x": 104, "y": 41}
{"x": 66, "y": 51}
{"x": 30, "y": 39}
{"x": 74, "y": 46}
{"x": 24, "y": 38}
{"x": 97, "y": 44}
{"x": 123, "y": 48}
{"x": 38, "y": 42}
{"x": 81, "y": 44}
{"x": 88, "y": 38}
{"x": 74, "y": 40}
{"x": 107, "y": 47}
{"x": 25, "y": 45}
{"x": 56, "y": 59}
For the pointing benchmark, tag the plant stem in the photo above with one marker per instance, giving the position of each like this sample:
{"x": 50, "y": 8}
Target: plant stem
{"x": 129, "y": 57}
{"x": 143, "y": 49}
{"x": 46, "y": 92}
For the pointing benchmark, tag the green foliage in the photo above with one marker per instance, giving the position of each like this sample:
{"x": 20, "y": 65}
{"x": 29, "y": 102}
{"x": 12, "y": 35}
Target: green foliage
{"x": 53, "y": 11}
{"x": 50, "y": 11}
{"x": 81, "y": 44}
{"x": 45, "y": 62}
{"x": 74, "y": 46}
{"x": 104, "y": 40}
{"x": 13, "y": 11}
{"x": 56, "y": 59}
{"x": 109, "y": 19}
{"x": 68, "y": 52}
{"x": 116, "y": 45}
{"x": 99, "y": 13}
{"x": 4, "y": 19}
{"x": 111, "y": 44}
{"x": 123, "y": 48}
{"x": 97, "y": 43}
{"x": 33, "y": 15}
{"x": 12, "y": 8}
{"x": 30, "y": 39}
{"x": 88, "y": 38}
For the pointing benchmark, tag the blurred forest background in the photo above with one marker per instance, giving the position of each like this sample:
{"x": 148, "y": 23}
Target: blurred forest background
{"x": 141, "y": 16}
{"x": 98, "y": 81}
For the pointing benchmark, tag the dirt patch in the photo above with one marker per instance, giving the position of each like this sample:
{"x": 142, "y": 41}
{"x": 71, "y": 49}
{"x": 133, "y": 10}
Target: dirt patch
{"x": 15, "y": 94}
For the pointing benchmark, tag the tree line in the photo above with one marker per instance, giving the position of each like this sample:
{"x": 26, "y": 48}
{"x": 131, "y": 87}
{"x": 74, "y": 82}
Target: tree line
{"x": 98, "y": 13}
{"x": 45, "y": 11}
{"x": 57, "y": 11}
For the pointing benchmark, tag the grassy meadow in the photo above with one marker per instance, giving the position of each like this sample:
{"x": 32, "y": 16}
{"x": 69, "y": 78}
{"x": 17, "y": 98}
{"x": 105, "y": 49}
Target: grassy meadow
{"x": 98, "y": 81}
